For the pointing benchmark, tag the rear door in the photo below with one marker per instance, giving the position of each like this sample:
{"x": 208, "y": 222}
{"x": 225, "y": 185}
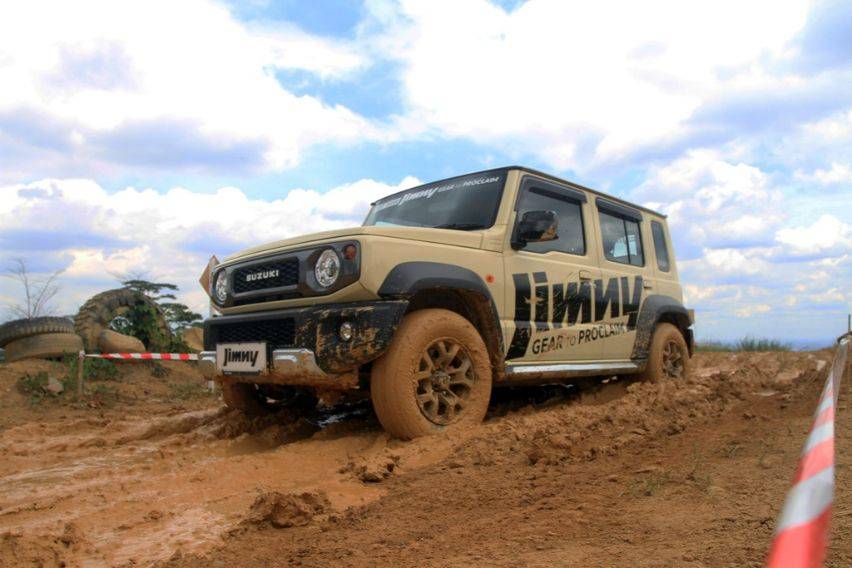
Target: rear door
{"x": 549, "y": 285}
{"x": 626, "y": 276}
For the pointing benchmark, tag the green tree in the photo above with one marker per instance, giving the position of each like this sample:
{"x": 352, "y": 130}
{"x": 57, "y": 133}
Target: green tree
{"x": 141, "y": 320}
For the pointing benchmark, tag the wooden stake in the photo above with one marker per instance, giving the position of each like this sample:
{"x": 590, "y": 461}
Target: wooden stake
{"x": 80, "y": 358}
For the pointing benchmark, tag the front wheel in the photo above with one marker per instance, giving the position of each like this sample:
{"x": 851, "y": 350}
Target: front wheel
{"x": 245, "y": 397}
{"x": 435, "y": 375}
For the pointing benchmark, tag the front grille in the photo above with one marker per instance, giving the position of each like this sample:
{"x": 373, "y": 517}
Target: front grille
{"x": 287, "y": 275}
{"x": 277, "y": 334}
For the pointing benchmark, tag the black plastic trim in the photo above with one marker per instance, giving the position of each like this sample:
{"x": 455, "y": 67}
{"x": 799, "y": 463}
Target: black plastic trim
{"x": 561, "y": 191}
{"x": 654, "y": 307}
{"x": 618, "y": 209}
{"x": 316, "y": 328}
{"x": 408, "y": 278}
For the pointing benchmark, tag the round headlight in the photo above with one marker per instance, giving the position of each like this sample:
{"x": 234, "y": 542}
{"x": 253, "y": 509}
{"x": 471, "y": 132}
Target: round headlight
{"x": 327, "y": 268}
{"x": 220, "y": 289}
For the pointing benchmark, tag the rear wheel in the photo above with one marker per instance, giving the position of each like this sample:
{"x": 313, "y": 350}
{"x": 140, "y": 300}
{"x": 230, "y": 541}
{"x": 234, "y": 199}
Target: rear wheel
{"x": 669, "y": 355}
{"x": 435, "y": 375}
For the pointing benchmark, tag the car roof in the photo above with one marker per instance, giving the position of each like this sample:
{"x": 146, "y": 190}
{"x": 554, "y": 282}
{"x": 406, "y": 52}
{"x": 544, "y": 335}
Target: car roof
{"x": 544, "y": 175}
{"x": 583, "y": 188}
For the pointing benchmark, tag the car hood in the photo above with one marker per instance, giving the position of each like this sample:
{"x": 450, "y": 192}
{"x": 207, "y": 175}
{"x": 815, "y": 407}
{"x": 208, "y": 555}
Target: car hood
{"x": 468, "y": 239}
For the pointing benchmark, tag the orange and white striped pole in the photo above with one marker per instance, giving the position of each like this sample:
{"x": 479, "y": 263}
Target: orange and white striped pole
{"x": 146, "y": 356}
{"x": 801, "y": 536}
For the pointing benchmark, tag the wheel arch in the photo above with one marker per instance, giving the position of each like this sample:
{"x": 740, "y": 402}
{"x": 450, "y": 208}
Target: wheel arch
{"x": 450, "y": 287}
{"x": 657, "y": 309}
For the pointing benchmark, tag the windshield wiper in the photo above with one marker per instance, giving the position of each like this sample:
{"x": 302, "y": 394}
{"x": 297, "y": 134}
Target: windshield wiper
{"x": 460, "y": 226}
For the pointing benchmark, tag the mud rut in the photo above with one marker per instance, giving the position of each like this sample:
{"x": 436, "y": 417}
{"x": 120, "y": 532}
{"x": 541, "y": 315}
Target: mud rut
{"x": 689, "y": 473}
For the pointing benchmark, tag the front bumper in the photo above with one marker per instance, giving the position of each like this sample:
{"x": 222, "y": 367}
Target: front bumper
{"x": 303, "y": 344}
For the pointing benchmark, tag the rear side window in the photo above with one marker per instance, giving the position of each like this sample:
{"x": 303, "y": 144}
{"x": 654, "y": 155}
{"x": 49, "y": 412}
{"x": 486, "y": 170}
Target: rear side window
{"x": 621, "y": 239}
{"x": 661, "y": 250}
{"x": 571, "y": 238}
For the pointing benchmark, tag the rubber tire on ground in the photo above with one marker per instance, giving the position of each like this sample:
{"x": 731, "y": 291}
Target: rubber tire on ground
{"x": 19, "y": 329}
{"x": 43, "y": 346}
{"x": 663, "y": 333}
{"x": 392, "y": 386}
{"x": 97, "y": 313}
{"x": 244, "y": 397}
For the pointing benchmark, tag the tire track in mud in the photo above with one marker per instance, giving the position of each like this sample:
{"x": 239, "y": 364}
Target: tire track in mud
{"x": 122, "y": 490}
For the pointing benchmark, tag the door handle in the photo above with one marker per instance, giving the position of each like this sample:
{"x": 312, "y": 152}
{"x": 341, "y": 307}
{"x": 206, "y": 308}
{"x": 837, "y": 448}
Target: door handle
{"x": 585, "y": 275}
{"x": 647, "y": 284}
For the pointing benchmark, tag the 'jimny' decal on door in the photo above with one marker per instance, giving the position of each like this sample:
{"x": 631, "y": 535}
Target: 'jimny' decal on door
{"x": 566, "y": 304}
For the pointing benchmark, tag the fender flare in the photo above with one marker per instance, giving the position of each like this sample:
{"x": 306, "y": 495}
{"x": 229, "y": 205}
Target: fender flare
{"x": 653, "y": 309}
{"x": 408, "y": 278}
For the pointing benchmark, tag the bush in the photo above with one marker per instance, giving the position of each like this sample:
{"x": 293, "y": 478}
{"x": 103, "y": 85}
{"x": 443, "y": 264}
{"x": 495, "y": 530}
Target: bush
{"x": 747, "y": 343}
{"x": 93, "y": 369}
{"x": 34, "y": 386}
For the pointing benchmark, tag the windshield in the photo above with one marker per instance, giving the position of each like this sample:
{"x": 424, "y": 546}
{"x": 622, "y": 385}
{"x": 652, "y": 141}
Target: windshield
{"x": 464, "y": 203}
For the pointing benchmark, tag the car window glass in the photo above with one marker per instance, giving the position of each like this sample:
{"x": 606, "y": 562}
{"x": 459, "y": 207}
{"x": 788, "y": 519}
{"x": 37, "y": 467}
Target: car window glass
{"x": 571, "y": 238}
{"x": 660, "y": 248}
{"x": 621, "y": 239}
{"x": 634, "y": 243}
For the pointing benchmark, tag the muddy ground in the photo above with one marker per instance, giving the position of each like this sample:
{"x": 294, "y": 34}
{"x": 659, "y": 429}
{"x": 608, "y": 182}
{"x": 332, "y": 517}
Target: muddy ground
{"x": 153, "y": 471}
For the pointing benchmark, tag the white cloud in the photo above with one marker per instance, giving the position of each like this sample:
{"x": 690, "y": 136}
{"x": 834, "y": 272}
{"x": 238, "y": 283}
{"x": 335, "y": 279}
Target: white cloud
{"x": 712, "y": 202}
{"x": 163, "y": 82}
{"x": 837, "y": 173}
{"x": 826, "y": 233}
{"x": 751, "y": 310}
{"x": 584, "y": 83}
{"x": 170, "y": 235}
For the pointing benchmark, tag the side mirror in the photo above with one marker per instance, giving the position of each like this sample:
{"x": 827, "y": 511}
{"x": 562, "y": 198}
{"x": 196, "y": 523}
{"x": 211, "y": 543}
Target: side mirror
{"x": 534, "y": 227}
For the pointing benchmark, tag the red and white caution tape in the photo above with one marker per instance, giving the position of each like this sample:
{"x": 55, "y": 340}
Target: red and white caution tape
{"x": 147, "y": 356}
{"x": 801, "y": 535}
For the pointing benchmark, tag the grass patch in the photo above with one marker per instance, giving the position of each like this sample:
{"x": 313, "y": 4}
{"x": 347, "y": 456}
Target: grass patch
{"x": 698, "y": 472}
{"x": 648, "y": 485}
{"x": 34, "y": 387}
{"x": 747, "y": 343}
{"x": 103, "y": 395}
{"x": 186, "y": 391}
{"x": 93, "y": 369}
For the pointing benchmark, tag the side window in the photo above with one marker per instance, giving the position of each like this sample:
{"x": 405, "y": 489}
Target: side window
{"x": 660, "y": 248}
{"x": 621, "y": 239}
{"x": 571, "y": 236}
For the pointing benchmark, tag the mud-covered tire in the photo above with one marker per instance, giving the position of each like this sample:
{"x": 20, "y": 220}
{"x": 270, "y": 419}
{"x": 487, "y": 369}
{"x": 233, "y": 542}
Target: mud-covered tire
{"x": 407, "y": 396}
{"x": 669, "y": 355}
{"x": 244, "y": 397}
{"x": 19, "y": 329}
{"x": 97, "y": 313}
{"x": 45, "y": 346}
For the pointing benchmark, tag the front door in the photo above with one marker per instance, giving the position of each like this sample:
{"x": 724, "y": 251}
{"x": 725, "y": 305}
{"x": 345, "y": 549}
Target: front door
{"x": 550, "y": 284}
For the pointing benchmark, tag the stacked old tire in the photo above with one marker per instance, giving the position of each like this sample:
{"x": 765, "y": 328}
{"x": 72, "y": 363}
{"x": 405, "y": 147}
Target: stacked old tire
{"x": 39, "y": 338}
{"x": 52, "y": 337}
{"x": 97, "y": 313}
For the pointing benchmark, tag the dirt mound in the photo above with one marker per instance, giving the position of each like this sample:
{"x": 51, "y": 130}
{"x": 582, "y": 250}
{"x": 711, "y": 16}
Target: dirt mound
{"x": 48, "y": 550}
{"x": 111, "y": 388}
{"x": 592, "y": 428}
{"x": 372, "y": 469}
{"x": 287, "y": 510}
{"x": 554, "y": 476}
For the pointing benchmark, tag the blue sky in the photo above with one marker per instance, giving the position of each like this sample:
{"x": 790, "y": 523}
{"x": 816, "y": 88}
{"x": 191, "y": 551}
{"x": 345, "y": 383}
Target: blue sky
{"x": 144, "y": 137}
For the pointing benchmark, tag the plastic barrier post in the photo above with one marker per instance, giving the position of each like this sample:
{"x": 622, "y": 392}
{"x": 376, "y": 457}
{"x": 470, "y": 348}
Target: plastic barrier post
{"x": 801, "y": 534}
